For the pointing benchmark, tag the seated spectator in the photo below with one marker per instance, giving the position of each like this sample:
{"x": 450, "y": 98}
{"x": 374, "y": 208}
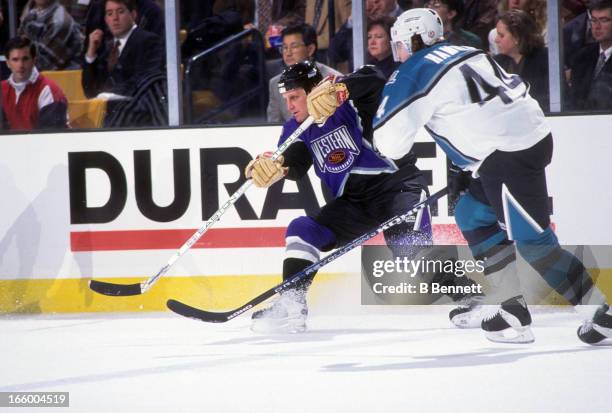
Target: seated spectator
{"x": 55, "y": 34}
{"x": 340, "y": 51}
{"x": 29, "y": 100}
{"x": 299, "y": 44}
{"x": 131, "y": 55}
{"x": 379, "y": 45}
{"x": 479, "y": 18}
{"x": 450, "y": 11}
{"x": 576, "y": 34}
{"x": 270, "y": 17}
{"x": 317, "y": 16}
{"x": 522, "y": 52}
{"x": 535, "y": 8}
{"x": 591, "y": 71}
{"x": 77, "y": 9}
{"x": 149, "y": 17}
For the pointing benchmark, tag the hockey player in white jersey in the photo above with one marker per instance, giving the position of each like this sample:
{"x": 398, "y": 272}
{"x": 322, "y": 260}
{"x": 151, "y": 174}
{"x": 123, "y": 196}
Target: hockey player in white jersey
{"x": 489, "y": 126}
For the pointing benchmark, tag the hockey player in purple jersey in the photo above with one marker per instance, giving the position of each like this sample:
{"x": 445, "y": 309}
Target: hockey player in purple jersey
{"x": 368, "y": 188}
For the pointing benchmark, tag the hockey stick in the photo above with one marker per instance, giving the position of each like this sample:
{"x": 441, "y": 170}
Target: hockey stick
{"x": 221, "y": 317}
{"x": 112, "y": 289}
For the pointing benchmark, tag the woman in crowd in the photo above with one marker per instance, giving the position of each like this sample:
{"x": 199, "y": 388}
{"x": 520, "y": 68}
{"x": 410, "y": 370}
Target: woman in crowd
{"x": 522, "y": 51}
{"x": 379, "y": 45}
{"x": 535, "y": 8}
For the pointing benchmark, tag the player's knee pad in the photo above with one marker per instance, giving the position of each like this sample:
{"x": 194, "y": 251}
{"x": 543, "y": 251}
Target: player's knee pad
{"x": 306, "y": 238}
{"x": 478, "y": 224}
{"x": 471, "y": 214}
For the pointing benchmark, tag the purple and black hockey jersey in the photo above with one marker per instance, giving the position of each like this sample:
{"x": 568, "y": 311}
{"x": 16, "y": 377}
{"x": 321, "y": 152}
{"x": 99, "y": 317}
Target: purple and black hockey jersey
{"x": 338, "y": 149}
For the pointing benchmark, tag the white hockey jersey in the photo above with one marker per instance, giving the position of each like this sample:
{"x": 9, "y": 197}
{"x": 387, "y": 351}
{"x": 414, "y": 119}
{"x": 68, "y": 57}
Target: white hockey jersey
{"x": 468, "y": 104}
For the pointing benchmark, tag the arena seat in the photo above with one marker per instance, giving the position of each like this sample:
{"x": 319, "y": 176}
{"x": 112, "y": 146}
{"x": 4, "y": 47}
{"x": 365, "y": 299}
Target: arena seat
{"x": 69, "y": 81}
{"x": 86, "y": 113}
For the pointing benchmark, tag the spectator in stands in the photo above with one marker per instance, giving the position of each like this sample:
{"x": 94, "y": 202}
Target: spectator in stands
{"x": 29, "y": 100}
{"x": 272, "y": 16}
{"x": 340, "y": 51}
{"x": 591, "y": 71}
{"x": 572, "y": 8}
{"x": 379, "y": 45}
{"x": 576, "y": 34}
{"x": 522, "y": 51}
{"x": 479, "y": 18}
{"x": 451, "y": 11}
{"x": 284, "y": 13}
{"x": 132, "y": 54}
{"x": 55, "y": 34}
{"x": 77, "y": 9}
{"x": 149, "y": 17}
{"x": 535, "y": 8}
{"x": 317, "y": 16}
{"x": 299, "y": 44}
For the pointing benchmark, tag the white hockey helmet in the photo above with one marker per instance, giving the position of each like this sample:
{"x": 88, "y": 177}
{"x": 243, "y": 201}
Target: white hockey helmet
{"x": 424, "y": 22}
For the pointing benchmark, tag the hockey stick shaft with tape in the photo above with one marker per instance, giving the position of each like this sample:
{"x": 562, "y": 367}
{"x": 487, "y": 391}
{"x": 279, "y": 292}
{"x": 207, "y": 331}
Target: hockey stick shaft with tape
{"x": 221, "y": 317}
{"x": 112, "y": 289}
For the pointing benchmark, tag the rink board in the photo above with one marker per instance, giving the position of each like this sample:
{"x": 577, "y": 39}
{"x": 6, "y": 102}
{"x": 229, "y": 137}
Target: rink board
{"x": 116, "y": 205}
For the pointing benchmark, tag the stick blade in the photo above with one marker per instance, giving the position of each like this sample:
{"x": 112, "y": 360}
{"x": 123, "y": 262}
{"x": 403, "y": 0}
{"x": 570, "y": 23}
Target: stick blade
{"x": 115, "y": 290}
{"x": 195, "y": 313}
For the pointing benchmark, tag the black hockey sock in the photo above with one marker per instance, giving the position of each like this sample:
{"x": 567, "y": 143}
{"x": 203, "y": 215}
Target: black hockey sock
{"x": 292, "y": 266}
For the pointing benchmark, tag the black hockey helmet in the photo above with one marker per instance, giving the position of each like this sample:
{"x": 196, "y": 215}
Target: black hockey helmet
{"x": 305, "y": 75}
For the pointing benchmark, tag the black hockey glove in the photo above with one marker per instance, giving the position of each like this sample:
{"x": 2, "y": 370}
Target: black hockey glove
{"x": 458, "y": 180}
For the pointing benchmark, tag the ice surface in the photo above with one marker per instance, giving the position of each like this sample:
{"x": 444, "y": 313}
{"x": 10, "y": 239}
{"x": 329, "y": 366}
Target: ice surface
{"x": 411, "y": 358}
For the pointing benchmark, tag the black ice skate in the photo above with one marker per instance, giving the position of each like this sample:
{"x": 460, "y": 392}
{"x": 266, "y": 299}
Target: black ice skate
{"x": 468, "y": 313}
{"x": 597, "y": 329}
{"x": 287, "y": 314}
{"x": 509, "y": 323}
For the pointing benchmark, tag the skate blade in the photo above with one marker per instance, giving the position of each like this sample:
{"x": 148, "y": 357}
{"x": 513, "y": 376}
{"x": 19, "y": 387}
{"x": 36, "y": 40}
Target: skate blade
{"x": 522, "y": 335}
{"x": 467, "y": 320}
{"x": 271, "y": 326}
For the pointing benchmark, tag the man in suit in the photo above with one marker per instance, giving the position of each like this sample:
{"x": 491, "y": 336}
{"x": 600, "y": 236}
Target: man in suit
{"x": 132, "y": 55}
{"x": 591, "y": 70}
{"x": 299, "y": 44}
{"x": 317, "y": 16}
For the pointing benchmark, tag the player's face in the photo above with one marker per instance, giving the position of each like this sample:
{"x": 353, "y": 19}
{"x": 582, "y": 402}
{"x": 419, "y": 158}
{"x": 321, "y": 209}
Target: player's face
{"x": 118, "y": 18}
{"x": 505, "y": 41}
{"x": 379, "y": 45}
{"x": 296, "y": 104}
{"x": 601, "y": 26}
{"x": 294, "y": 50}
{"x": 21, "y": 64}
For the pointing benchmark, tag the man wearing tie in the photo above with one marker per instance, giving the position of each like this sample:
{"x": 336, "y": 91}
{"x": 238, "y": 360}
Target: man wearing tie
{"x": 131, "y": 56}
{"x": 591, "y": 73}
